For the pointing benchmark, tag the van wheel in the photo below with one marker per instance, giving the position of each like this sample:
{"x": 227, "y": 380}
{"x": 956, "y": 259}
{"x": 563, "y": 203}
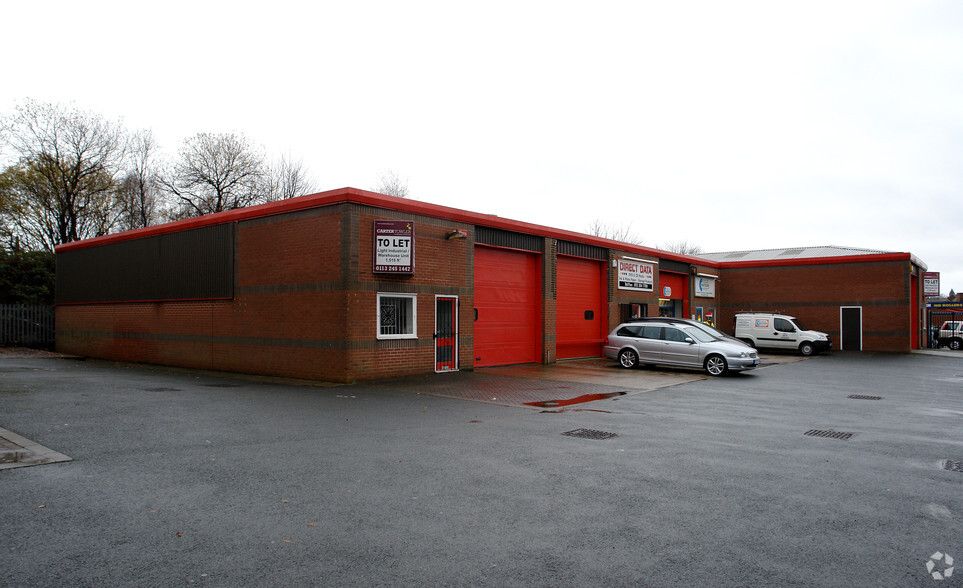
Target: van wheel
{"x": 956, "y": 344}
{"x": 716, "y": 365}
{"x": 747, "y": 341}
{"x": 628, "y": 358}
{"x": 806, "y": 348}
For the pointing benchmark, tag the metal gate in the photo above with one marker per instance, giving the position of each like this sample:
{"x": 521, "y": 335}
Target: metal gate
{"x": 446, "y": 333}
{"x": 936, "y": 318}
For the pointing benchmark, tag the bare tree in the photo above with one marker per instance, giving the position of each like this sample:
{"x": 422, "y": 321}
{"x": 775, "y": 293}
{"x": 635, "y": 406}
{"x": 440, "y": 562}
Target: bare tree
{"x": 287, "y": 178}
{"x": 684, "y": 247}
{"x": 392, "y": 185}
{"x": 9, "y": 239}
{"x": 623, "y": 233}
{"x": 138, "y": 194}
{"x": 214, "y": 173}
{"x": 61, "y": 187}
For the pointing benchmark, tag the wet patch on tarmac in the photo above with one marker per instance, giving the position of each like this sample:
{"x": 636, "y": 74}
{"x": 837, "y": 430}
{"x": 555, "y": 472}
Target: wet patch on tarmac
{"x": 18, "y": 452}
{"x": 577, "y": 400}
{"x": 505, "y": 390}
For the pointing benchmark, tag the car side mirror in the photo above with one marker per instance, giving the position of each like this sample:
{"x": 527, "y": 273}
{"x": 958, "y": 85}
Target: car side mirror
{"x": 689, "y": 340}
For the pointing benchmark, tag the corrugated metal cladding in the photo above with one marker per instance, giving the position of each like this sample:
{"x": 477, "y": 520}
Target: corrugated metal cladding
{"x": 669, "y": 265}
{"x": 186, "y": 265}
{"x": 500, "y": 238}
{"x": 582, "y": 250}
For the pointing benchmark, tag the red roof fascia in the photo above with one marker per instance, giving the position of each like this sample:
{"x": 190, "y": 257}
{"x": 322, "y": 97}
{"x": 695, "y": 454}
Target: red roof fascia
{"x": 373, "y": 199}
{"x": 228, "y": 216}
{"x": 875, "y": 257}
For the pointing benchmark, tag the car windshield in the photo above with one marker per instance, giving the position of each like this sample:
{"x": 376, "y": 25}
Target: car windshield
{"x": 698, "y": 334}
{"x": 799, "y": 325}
{"x": 711, "y": 330}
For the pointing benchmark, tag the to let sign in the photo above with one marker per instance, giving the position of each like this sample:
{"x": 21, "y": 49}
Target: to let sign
{"x": 394, "y": 247}
{"x": 931, "y": 284}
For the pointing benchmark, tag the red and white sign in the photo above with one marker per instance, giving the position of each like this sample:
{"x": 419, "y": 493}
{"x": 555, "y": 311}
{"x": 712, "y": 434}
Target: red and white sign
{"x": 931, "y": 284}
{"x": 636, "y": 275}
{"x": 394, "y": 247}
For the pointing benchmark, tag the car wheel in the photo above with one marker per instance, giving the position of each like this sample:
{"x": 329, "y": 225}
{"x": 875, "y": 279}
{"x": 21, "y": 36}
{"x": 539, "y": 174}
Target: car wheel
{"x": 956, "y": 344}
{"x": 806, "y": 348}
{"x": 628, "y": 358}
{"x": 716, "y": 365}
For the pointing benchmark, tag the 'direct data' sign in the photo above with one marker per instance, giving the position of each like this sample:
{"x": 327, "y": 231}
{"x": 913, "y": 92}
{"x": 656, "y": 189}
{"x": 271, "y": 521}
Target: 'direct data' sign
{"x": 394, "y": 247}
{"x": 635, "y": 275}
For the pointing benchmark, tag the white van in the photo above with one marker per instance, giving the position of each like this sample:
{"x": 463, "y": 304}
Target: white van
{"x": 778, "y": 331}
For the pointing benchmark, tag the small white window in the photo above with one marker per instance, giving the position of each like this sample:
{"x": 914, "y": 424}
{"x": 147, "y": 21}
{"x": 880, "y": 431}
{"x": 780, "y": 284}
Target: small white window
{"x": 397, "y": 314}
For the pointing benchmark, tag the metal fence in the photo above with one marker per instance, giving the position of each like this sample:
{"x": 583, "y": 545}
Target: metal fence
{"x": 27, "y": 325}
{"x": 936, "y": 319}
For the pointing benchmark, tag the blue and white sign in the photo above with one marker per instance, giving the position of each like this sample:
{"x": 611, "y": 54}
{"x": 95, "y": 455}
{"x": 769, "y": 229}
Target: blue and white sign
{"x": 705, "y": 287}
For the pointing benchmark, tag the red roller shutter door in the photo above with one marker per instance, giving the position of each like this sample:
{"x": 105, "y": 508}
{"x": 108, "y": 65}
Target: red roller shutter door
{"x": 579, "y": 316}
{"x": 508, "y": 305}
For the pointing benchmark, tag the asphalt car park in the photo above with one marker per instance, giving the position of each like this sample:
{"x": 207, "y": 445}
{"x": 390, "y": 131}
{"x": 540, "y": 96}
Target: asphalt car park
{"x": 834, "y": 470}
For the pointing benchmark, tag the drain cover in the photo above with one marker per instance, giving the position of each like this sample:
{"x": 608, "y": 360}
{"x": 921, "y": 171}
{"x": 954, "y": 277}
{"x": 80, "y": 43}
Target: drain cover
{"x": 829, "y": 434}
{"x": 953, "y": 465}
{"x": 589, "y": 434}
{"x": 864, "y": 397}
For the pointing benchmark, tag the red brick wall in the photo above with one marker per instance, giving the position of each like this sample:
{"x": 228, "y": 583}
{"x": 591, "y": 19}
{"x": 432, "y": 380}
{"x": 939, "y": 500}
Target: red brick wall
{"x": 286, "y": 318}
{"x": 282, "y": 250}
{"x": 442, "y": 267}
{"x": 618, "y": 297}
{"x": 549, "y": 340}
{"x": 169, "y": 333}
{"x": 815, "y": 293}
{"x": 303, "y": 307}
{"x": 706, "y": 303}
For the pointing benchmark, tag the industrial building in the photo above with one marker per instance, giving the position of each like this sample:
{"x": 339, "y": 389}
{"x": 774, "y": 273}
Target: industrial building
{"x": 349, "y": 285}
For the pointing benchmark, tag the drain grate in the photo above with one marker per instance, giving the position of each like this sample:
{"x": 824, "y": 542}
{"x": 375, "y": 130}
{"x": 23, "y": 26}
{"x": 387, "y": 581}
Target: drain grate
{"x": 589, "y": 434}
{"x": 864, "y": 397}
{"x": 953, "y": 465}
{"x": 828, "y": 434}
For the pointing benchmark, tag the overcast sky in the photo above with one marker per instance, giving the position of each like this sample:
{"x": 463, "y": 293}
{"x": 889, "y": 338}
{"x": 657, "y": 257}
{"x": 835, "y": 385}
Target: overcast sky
{"x": 731, "y": 125}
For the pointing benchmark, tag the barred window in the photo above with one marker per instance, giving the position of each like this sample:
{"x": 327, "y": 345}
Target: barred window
{"x": 397, "y": 315}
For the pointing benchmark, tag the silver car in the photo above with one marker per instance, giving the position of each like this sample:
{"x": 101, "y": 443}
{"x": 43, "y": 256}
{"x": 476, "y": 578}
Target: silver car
{"x": 676, "y": 344}
{"x": 700, "y": 325}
